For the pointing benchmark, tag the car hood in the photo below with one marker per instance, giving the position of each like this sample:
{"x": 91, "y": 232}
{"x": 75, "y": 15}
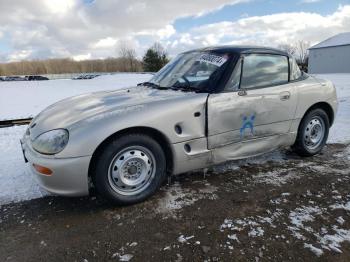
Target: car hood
{"x": 70, "y": 111}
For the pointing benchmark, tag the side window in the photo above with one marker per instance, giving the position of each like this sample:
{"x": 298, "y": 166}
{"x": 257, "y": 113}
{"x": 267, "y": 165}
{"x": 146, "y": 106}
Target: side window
{"x": 233, "y": 82}
{"x": 260, "y": 70}
{"x": 295, "y": 72}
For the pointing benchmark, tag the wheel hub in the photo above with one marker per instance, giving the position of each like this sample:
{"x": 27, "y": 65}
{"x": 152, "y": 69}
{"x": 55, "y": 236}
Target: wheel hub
{"x": 314, "y": 133}
{"x": 131, "y": 170}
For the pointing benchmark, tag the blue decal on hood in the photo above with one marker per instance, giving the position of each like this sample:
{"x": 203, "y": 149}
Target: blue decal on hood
{"x": 248, "y": 123}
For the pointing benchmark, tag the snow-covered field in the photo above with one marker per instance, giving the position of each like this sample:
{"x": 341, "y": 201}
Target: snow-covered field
{"x": 18, "y": 100}
{"x": 339, "y": 132}
{"x": 26, "y": 99}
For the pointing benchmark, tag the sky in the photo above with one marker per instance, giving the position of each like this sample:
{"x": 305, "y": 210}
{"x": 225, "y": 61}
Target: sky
{"x": 88, "y": 29}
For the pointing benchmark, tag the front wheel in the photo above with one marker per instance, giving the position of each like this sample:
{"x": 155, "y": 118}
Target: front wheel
{"x": 312, "y": 133}
{"x": 130, "y": 169}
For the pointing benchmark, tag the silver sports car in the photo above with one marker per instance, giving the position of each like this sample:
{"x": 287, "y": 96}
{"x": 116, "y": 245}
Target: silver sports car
{"x": 205, "y": 107}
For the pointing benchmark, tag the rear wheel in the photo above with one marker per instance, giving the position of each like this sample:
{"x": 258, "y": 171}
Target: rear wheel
{"x": 130, "y": 169}
{"x": 313, "y": 133}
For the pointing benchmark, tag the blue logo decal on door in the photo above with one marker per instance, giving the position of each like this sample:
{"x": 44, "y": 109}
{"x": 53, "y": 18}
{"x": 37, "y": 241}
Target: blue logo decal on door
{"x": 248, "y": 123}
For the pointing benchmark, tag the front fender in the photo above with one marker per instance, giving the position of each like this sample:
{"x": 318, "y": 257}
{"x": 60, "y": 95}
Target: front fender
{"x": 86, "y": 135}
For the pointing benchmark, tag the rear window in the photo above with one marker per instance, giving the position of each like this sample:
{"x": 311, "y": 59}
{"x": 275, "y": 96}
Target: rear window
{"x": 260, "y": 70}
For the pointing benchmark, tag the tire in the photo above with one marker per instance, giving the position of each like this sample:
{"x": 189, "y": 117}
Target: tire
{"x": 312, "y": 133}
{"x": 130, "y": 169}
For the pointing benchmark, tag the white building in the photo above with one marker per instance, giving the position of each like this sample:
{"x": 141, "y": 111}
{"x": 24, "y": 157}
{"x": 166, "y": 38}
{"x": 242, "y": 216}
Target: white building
{"x": 331, "y": 56}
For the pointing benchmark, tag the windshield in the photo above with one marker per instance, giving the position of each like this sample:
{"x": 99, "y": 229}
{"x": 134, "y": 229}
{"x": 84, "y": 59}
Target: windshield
{"x": 195, "y": 71}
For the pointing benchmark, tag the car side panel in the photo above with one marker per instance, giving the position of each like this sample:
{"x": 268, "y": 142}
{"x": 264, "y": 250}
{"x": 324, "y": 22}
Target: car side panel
{"x": 312, "y": 91}
{"x": 251, "y": 148}
{"x": 198, "y": 157}
{"x": 272, "y": 116}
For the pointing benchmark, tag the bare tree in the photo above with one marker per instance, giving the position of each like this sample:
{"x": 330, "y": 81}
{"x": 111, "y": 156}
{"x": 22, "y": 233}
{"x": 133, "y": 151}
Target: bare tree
{"x": 302, "y": 54}
{"x": 128, "y": 54}
{"x": 159, "y": 49}
{"x": 289, "y": 48}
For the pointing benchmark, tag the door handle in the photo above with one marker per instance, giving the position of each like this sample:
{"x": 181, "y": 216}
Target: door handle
{"x": 284, "y": 96}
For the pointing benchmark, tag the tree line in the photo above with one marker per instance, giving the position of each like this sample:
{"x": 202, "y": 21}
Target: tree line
{"x": 155, "y": 58}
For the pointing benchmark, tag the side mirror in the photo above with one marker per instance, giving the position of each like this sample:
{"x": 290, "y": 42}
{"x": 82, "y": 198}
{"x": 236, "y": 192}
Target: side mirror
{"x": 242, "y": 92}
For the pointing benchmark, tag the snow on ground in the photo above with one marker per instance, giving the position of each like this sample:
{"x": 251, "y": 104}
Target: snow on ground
{"x": 177, "y": 197}
{"x": 339, "y": 132}
{"x": 17, "y": 184}
{"x": 327, "y": 235}
{"x": 18, "y": 100}
{"x": 24, "y": 99}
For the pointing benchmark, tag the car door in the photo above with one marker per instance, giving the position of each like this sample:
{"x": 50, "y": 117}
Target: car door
{"x": 255, "y": 110}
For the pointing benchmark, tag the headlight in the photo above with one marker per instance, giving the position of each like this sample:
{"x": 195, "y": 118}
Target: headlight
{"x": 51, "y": 142}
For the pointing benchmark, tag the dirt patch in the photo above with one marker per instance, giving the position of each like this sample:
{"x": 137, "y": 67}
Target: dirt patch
{"x": 278, "y": 207}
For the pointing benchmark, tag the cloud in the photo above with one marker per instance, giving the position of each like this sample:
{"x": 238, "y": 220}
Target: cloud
{"x": 82, "y": 57}
{"x": 162, "y": 33}
{"x": 20, "y": 55}
{"x": 94, "y": 29}
{"x": 105, "y": 43}
{"x": 55, "y": 28}
{"x": 60, "y": 6}
{"x": 268, "y": 30}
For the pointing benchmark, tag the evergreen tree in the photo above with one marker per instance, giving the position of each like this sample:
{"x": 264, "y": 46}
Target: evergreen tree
{"x": 155, "y": 58}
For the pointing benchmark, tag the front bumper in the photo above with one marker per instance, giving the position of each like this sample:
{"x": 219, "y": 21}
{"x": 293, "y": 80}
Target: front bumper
{"x": 69, "y": 175}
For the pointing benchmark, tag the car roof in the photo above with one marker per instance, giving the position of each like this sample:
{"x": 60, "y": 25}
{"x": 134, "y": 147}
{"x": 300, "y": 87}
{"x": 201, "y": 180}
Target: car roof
{"x": 242, "y": 49}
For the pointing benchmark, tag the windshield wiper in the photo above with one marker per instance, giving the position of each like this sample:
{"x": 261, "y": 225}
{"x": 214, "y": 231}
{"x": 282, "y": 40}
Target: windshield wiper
{"x": 153, "y": 85}
{"x": 185, "y": 86}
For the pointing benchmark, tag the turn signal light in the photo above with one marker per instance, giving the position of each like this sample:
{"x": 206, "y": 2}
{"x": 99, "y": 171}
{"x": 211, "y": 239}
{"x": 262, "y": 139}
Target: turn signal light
{"x": 43, "y": 170}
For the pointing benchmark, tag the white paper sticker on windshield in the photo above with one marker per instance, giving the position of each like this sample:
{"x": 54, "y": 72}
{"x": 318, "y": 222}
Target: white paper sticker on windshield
{"x": 212, "y": 59}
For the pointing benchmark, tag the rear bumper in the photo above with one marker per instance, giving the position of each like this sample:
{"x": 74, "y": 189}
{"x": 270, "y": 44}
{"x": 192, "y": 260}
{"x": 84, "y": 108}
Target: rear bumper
{"x": 69, "y": 175}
